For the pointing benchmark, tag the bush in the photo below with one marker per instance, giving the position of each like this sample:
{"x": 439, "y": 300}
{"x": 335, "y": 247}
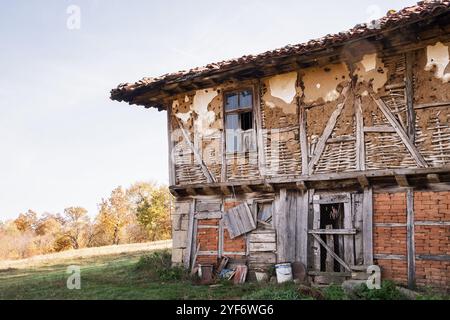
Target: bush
{"x": 388, "y": 291}
{"x": 287, "y": 291}
{"x": 334, "y": 292}
{"x": 158, "y": 266}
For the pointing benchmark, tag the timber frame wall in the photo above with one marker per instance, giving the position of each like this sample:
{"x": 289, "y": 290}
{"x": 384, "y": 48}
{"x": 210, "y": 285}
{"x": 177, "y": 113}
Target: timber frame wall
{"x": 385, "y": 151}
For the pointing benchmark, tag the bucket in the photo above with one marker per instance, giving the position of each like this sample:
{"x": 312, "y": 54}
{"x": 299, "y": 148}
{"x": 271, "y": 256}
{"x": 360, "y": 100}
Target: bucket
{"x": 284, "y": 272}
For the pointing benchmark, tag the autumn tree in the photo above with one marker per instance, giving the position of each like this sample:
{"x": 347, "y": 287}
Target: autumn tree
{"x": 75, "y": 224}
{"x": 152, "y": 207}
{"x": 113, "y": 216}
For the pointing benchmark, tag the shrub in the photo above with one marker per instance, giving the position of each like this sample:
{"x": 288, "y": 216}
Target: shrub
{"x": 388, "y": 291}
{"x": 334, "y": 292}
{"x": 158, "y": 266}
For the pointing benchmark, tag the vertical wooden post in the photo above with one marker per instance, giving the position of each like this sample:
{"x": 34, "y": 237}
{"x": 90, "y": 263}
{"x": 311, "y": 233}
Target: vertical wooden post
{"x": 368, "y": 226}
{"x": 409, "y": 92}
{"x": 258, "y": 122}
{"x": 330, "y": 242}
{"x": 301, "y": 234}
{"x": 316, "y": 225}
{"x": 410, "y": 238}
{"x": 190, "y": 241}
{"x": 172, "y": 179}
{"x": 303, "y": 137}
{"x": 360, "y": 144}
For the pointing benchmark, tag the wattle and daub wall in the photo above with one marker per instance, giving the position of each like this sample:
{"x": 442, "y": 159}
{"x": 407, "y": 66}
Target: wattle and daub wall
{"x": 337, "y": 98}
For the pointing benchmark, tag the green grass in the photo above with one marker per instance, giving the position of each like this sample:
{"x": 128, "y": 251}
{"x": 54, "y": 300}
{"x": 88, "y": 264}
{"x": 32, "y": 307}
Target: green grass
{"x": 139, "y": 276}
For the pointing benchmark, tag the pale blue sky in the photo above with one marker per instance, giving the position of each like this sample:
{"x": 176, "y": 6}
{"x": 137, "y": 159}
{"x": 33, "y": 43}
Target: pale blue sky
{"x": 62, "y": 141}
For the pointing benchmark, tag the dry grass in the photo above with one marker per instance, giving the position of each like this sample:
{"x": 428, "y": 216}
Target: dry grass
{"x": 55, "y": 258}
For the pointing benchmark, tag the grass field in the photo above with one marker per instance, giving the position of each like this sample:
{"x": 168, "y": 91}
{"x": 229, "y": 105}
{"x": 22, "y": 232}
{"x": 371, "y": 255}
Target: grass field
{"x": 140, "y": 275}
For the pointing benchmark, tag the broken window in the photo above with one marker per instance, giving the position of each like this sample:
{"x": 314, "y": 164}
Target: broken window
{"x": 239, "y": 126}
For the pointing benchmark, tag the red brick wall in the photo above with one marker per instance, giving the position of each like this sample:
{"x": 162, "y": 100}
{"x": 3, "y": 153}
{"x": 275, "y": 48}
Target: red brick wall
{"x": 429, "y": 240}
{"x": 390, "y": 208}
{"x": 432, "y": 240}
{"x": 208, "y": 238}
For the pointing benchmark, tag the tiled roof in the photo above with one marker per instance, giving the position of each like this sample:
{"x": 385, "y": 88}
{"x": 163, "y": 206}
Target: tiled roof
{"x": 420, "y": 11}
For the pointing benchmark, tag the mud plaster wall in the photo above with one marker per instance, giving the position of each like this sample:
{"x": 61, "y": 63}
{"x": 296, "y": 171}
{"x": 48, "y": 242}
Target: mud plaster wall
{"x": 279, "y": 101}
{"x": 279, "y": 110}
{"x": 370, "y": 71}
{"x": 432, "y": 73}
{"x": 429, "y": 85}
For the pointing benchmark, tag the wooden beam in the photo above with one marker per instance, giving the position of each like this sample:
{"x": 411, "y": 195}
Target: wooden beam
{"x": 410, "y": 238}
{"x": 432, "y": 105}
{"x": 331, "y": 252}
{"x": 402, "y": 180}
{"x": 360, "y": 143}
{"x": 209, "y": 177}
{"x": 363, "y": 181}
{"x": 327, "y": 132}
{"x": 409, "y": 92}
{"x": 332, "y": 231}
{"x": 172, "y": 173}
{"x": 402, "y": 134}
{"x": 379, "y": 129}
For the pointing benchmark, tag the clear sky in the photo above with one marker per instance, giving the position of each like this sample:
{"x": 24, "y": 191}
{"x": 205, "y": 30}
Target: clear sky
{"x": 62, "y": 141}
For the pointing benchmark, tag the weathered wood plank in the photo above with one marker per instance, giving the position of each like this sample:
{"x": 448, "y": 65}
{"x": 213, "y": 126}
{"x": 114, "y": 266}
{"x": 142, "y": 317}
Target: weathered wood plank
{"x": 327, "y": 132}
{"x": 334, "y": 198}
{"x": 410, "y": 58}
{"x": 410, "y": 238}
{"x": 303, "y": 138}
{"x": 262, "y": 246}
{"x": 329, "y": 263}
{"x": 357, "y": 202}
{"x": 379, "y": 129}
{"x": 316, "y": 225}
{"x": 350, "y": 231}
{"x": 349, "y": 251}
{"x": 402, "y": 180}
{"x": 172, "y": 180}
{"x": 360, "y": 144}
{"x": 301, "y": 234}
{"x": 401, "y": 133}
{"x": 368, "y": 226}
{"x": 262, "y": 237}
{"x": 190, "y": 236}
{"x": 239, "y": 220}
{"x": 259, "y": 129}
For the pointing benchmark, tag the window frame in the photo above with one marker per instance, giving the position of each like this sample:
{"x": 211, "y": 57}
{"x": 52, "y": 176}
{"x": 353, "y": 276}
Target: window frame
{"x": 238, "y": 111}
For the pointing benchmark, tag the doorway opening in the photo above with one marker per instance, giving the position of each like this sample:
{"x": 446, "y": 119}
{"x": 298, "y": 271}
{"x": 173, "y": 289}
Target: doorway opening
{"x": 332, "y": 217}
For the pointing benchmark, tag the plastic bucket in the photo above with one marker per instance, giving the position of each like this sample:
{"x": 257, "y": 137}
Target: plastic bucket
{"x": 284, "y": 272}
{"x": 261, "y": 276}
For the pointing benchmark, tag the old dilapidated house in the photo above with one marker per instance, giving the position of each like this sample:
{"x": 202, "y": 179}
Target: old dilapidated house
{"x": 334, "y": 153}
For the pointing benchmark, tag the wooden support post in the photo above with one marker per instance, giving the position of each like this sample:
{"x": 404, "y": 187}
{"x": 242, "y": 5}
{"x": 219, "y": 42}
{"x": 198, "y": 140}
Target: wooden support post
{"x": 301, "y": 234}
{"x": 316, "y": 225}
{"x": 172, "y": 173}
{"x": 368, "y": 226}
{"x": 303, "y": 137}
{"x": 410, "y": 239}
{"x": 360, "y": 143}
{"x": 190, "y": 237}
{"x": 409, "y": 92}
{"x": 259, "y": 129}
